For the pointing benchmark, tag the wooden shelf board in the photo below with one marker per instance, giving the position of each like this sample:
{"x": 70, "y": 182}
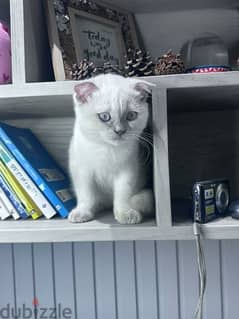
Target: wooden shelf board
{"x": 106, "y": 228}
{"x": 60, "y": 230}
{"x": 186, "y": 92}
{"x": 48, "y": 99}
{"x": 223, "y": 228}
{"x": 54, "y": 99}
{"x": 189, "y": 80}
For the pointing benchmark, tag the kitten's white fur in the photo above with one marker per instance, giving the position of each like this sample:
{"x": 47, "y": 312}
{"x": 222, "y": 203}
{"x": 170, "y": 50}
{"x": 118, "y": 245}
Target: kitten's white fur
{"x": 105, "y": 168}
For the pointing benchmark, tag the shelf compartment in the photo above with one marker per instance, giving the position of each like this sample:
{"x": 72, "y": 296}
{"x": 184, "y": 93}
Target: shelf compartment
{"x": 205, "y": 98}
{"x": 55, "y": 134}
{"x": 37, "y": 50}
{"x": 222, "y": 18}
{"x": 47, "y": 109}
{"x": 203, "y": 144}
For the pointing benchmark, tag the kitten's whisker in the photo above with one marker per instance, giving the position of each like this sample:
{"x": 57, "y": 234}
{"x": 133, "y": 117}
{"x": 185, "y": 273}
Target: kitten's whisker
{"x": 147, "y": 153}
{"x": 146, "y": 140}
{"x": 136, "y": 137}
{"x": 144, "y": 144}
{"x": 157, "y": 144}
{"x": 154, "y": 137}
{"x": 157, "y": 140}
{"x": 150, "y": 136}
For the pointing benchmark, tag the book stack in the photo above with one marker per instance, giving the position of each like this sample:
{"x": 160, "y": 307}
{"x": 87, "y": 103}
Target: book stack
{"x": 32, "y": 184}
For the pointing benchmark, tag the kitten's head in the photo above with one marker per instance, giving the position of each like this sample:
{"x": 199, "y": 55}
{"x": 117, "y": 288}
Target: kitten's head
{"x": 111, "y": 109}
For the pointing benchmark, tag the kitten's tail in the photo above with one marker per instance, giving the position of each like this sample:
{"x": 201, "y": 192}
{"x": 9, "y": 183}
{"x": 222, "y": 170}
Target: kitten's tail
{"x": 144, "y": 202}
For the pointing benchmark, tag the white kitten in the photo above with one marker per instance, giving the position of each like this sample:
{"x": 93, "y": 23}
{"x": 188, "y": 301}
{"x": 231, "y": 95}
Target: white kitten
{"x": 104, "y": 160}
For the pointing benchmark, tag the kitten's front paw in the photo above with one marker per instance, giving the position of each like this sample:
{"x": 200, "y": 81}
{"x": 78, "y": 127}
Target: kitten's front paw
{"x": 76, "y": 216}
{"x": 130, "y": 216}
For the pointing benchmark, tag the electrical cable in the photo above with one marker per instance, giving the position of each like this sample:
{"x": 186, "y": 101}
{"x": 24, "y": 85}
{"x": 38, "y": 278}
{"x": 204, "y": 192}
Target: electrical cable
{"x": 202, "y": 271}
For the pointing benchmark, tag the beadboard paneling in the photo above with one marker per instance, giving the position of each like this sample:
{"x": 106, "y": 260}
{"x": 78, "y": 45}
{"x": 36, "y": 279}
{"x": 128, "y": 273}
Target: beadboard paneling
{"x": 126, "y": 288}
{"x": 188, "y": 279}
{"x": 84, "y": 280}
{"x": 7, "y": 275}
{"x": 24, "y": 275}
{"x": 121, "y": 280}
{"x": 167, "y": 259}
{"x": 230, "y": 278}
{"x": 64, "y": 276}
{"x": 147, "y": 284}
{"x": 44, "y": 274}
{"x": 105, "y": 283}
{"x": 214, "y": 294}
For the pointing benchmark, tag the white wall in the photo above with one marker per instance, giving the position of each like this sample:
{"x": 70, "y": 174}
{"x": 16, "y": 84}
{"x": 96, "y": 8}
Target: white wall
{"x": 162, "y": 31}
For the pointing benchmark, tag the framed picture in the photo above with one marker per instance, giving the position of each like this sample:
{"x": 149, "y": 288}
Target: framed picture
{"x": 83, "y": 29}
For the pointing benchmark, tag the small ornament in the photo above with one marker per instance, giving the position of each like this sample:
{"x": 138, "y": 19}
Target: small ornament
{"x": 87, "y": 5}
{"x": 111, "y": 13}
{"x": 169, "y": 63}
{"x": 59, "y": 6}
{"x": 106, "y": 68}
{"x": 82, "y": 71}
{"x": 62, "y": 17}
{"x": 209, "y": 69}
{"x": 138, "y": 63}
{"x": 62, "y": 21}
{"x": 5, "y": 54}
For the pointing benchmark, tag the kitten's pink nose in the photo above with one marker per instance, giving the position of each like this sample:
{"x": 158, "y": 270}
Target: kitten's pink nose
{"x": 120, "y": 131}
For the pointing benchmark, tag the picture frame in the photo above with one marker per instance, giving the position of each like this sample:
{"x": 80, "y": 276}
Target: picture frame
{"x": 85, "y": 29}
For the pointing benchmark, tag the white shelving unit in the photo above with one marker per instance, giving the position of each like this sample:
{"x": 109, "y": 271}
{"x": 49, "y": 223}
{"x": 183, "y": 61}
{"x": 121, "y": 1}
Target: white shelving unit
{"x": 179, "y": 103}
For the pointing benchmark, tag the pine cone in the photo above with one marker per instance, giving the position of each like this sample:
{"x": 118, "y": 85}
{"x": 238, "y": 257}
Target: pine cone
{"x": 106, "y": 68}
{"x": 169, "y": 63}
{"x": 82, "y": 71}
{"x": 138, "y": 63}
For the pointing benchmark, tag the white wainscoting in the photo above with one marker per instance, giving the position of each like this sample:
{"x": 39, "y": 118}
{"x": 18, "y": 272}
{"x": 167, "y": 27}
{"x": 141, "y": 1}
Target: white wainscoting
{"x": 121, "y": 280}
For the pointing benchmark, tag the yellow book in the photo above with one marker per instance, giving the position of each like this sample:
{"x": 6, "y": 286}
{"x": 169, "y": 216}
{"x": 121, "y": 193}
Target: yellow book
{"x": 26, "y": 200}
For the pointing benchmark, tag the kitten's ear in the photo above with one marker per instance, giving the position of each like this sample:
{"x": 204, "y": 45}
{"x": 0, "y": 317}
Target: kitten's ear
{"x": 84, "y": 90}
{"x": 144, "y": 88}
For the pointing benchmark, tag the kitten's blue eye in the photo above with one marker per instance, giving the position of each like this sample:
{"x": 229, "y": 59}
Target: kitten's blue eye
{"x": 131, "y": 116}
{"x": 104, "y": 116}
